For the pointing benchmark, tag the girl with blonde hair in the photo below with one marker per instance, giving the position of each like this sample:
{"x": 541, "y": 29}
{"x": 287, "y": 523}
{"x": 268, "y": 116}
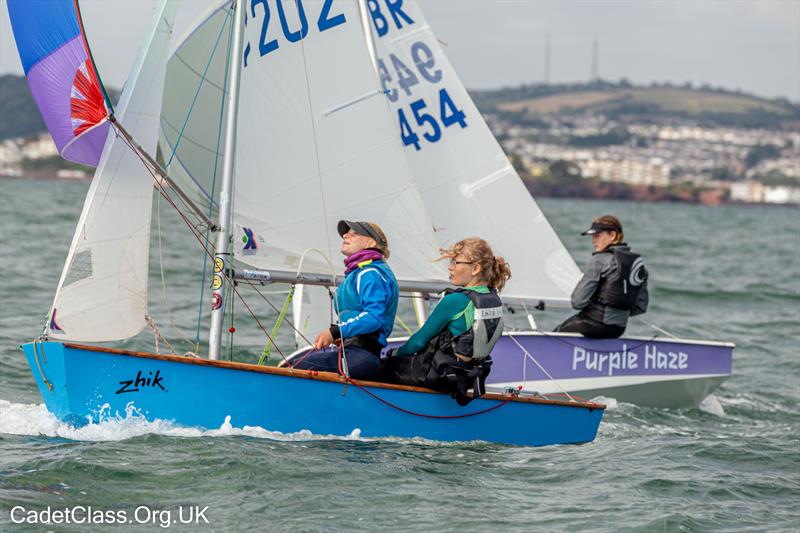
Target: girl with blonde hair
{"x": 450, "y": 352}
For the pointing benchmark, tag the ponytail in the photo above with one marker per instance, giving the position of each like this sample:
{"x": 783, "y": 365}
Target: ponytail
{"x": 495, "y": 270}
{"x": 499, "y": 273}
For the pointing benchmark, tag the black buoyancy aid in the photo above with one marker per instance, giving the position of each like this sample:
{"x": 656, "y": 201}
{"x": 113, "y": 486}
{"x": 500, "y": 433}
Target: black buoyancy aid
{"x": 438, "y": 368}
{"x": 621, "y": 289}
{"x": 446, "y": 372}
{"x": 487, "y": 327}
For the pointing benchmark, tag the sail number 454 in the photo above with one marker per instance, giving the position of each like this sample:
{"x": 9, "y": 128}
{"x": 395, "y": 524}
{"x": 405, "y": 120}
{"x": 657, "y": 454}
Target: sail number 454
{"x": 431, "y": 131}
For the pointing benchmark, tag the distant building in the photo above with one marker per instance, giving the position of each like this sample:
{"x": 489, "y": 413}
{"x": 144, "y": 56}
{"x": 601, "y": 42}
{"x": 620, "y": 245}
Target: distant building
{"x": 781, "y": 194}
{"x": 752, "y": 191}
{"x": 747, "y": 191}
{"x": 653, "y": 172}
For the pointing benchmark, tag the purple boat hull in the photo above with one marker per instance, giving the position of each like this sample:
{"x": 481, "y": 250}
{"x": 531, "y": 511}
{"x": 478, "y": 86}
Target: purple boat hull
{"x": 653, "y": 372}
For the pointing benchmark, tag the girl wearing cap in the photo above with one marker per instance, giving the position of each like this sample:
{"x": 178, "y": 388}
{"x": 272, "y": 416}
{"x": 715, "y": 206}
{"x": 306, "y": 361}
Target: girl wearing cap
{"x": 613, "y": 287}
{"x": 365, "y": 302}
{"x": 463, "y": 328}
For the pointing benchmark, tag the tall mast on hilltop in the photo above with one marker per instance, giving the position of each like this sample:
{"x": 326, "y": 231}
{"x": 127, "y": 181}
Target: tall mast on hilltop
{"x": 594, "y": 60}
{"x": 547, "y": 59}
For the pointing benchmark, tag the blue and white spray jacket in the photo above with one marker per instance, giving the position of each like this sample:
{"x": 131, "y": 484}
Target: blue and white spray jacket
{"x": 366, "y": 301}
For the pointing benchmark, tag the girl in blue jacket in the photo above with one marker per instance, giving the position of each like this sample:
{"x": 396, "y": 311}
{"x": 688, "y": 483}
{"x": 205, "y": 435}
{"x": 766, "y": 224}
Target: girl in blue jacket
{"x": 365, "y": 302}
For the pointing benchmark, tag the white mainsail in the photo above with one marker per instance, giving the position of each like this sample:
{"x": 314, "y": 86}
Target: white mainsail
{"x": 102, "y": 293}
{"x": 468, "y": 184}
{"x": 348, "y": 110}
{"x": 315, "y": 144}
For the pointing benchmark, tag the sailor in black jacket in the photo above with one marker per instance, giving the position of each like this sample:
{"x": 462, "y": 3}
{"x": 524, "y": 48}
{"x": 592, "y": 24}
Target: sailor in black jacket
{"x": 613, "y": 287}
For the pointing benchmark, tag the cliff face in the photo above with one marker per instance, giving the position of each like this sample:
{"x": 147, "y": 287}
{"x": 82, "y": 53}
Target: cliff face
{"x": 565, "y": 187}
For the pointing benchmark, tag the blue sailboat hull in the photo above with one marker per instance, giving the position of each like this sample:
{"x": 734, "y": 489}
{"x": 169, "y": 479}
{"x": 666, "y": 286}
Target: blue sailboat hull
{"x": 82, "y": 383}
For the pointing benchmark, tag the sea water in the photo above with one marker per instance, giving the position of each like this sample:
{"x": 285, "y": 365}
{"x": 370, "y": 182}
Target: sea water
{"x": 723, "y": 273}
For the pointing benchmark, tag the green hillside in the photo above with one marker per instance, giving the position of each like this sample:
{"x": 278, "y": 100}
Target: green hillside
{"x": 19, "y": 116}
{"x": 713, "y": 107}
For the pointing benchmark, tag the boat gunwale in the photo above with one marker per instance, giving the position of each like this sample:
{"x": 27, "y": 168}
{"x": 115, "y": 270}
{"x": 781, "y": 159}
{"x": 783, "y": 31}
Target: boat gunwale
{"x": 317, "y": 375}
{"x": 557, "y": 334}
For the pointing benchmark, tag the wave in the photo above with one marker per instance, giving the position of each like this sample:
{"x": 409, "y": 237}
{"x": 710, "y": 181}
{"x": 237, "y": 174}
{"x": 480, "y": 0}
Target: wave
{"x": 36, "y": 420}
{"x": 728, "y": 295}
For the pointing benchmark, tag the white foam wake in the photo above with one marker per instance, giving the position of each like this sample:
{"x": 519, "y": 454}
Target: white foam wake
{"x": 35, "y": 419}
{"x": 610, "y": 403}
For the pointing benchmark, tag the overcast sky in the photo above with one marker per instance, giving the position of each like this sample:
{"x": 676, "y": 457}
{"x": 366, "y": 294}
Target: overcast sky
{"x": 737, "y": 44}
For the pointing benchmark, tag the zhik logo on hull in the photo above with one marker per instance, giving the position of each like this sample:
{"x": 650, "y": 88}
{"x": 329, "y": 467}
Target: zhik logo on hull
{"x": 141, "y": 382}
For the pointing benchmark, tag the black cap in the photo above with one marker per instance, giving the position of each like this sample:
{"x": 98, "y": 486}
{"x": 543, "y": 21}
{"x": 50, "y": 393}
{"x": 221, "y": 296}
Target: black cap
{"x": 362, "y": 228}
{"x": 597, "y": 227}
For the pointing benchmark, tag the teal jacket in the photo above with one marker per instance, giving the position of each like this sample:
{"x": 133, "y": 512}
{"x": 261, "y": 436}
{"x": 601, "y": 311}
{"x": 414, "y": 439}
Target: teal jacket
{"x": 455, "y": 311}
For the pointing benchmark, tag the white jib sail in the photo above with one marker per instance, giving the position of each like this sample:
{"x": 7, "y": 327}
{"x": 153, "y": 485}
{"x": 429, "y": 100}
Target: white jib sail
{"x": 315, "y": 144}
{"x": 191, "y": 134}
{"x": 102, "y": 294}
{"x": 468, "y": 184}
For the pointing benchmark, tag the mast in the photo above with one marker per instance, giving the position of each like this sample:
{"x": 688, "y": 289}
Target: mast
{"x": 222, "y": 255}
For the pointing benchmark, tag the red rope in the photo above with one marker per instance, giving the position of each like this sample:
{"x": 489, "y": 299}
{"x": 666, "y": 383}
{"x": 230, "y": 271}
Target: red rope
{"x": 423, "y": 415}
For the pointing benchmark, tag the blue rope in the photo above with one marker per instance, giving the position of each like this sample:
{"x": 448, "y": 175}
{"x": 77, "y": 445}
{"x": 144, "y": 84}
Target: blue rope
{"x": 199, "y": 86}
{"x": 213, "y": 185}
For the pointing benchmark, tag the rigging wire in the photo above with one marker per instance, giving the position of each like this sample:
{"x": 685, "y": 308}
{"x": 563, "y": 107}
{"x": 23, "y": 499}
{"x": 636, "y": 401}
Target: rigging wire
{"x": 199, "y": 86}
{"x": 158, "y": 336}
{"x": 198, "y": 236}
{"x": 532, "y": 358}
{"x": 657, "y": 328}
{"x": 278, "y": 321}
{"x": 167, "y": 304}
{"x": 275, "y": 308}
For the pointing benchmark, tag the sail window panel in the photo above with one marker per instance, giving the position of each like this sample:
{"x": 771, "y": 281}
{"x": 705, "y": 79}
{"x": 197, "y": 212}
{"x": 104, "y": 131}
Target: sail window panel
{"x": 191, "y": 134}
{"x": 80, "y": 268}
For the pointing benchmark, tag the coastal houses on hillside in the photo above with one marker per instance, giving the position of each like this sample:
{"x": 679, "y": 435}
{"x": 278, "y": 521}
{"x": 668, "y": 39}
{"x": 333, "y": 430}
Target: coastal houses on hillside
{"x": 722, "y": 164}
{"x": 36, "y": 157}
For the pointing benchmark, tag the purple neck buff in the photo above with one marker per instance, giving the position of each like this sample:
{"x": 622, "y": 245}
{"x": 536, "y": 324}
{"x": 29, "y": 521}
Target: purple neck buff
{"x": 368, "y": 254}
